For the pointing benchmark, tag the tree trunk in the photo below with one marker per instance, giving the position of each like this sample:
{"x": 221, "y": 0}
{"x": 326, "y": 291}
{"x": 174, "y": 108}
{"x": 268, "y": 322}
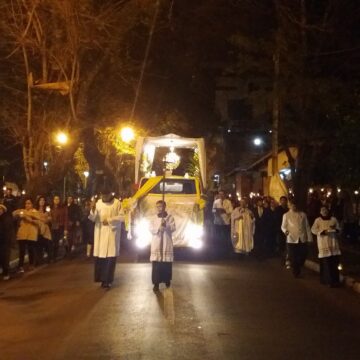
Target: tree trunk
{"x": 303, "y": 175}
{"x": 276, "y": 107}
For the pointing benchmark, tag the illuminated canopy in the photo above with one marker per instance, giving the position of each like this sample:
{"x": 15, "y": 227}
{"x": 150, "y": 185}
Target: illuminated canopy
{"x": 143, "y": 144}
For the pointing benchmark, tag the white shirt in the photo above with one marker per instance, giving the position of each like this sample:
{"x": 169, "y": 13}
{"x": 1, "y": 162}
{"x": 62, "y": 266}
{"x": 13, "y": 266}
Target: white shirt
{"x": 225, "y": 217}
{"x": 296, "y": 227}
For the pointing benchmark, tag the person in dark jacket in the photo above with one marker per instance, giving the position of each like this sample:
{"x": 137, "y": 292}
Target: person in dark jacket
{"x": 259, "y": 235}
{"x": 57, "y": 214}
{"x": 7, "y": 234}
{"x": 270, "y": 226}
{"x": 88, "y": 227}
{"x": 72, "y": 222}
{"x": 10, "y": 201}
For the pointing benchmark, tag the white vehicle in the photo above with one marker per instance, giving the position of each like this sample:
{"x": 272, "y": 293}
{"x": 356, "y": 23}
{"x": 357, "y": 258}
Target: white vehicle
{"x": 183, "y": 194}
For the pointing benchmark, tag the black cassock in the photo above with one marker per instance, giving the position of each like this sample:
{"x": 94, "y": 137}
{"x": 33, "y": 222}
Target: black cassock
{"x": 105, "y": 269}
{"x": 161, "y": 272}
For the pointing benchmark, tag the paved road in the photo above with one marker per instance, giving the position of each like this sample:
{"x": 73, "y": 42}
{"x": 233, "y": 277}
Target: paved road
{"x": 220, "y": 310}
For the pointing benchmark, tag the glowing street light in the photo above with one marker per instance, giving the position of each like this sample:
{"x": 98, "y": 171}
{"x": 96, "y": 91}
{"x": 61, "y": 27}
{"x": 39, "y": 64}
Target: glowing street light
{"x": 62, "y": 138}
{"x": 127, "y": 134}
{"x": 86, "y": 174}
{"x": 257, "y": 141}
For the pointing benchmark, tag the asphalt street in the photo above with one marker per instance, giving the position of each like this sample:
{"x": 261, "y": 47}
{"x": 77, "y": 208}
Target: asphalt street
{"x": 236, "y": 309}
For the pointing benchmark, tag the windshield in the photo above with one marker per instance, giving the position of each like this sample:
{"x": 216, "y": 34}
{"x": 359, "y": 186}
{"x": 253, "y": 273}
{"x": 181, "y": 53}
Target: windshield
{"x": 175, "y": 186}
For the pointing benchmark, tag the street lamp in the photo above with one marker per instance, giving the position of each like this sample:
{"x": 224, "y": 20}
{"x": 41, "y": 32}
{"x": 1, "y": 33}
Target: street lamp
{"x": 86, "y": 174}
{"x": 257, "y": 141}
{"x": 127, "y": 134}
{"x": 62, "y": 138}
{"x": 45, "y": 166}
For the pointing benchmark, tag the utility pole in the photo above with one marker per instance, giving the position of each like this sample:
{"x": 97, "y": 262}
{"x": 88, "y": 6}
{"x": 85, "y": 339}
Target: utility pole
{"x": 276, "y": 107}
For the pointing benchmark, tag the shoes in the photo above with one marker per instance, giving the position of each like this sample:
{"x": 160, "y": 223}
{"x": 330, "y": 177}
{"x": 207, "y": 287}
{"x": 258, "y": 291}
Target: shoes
{"x": 106, "y": 285}
{"x": 6, "y": 277}
{"x": 20, "y": 270}
{"x": 156, "y": 288}
{"x": 335, "y": 285}
{"x": 168, "y": 284}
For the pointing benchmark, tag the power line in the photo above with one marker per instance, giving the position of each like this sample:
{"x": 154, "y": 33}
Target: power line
{"x": 147, "y": 51}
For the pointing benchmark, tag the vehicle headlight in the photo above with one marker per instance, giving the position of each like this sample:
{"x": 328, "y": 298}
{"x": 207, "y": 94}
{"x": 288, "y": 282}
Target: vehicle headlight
{"x": 194, "y": 234}
{"x": 142, "y": 233}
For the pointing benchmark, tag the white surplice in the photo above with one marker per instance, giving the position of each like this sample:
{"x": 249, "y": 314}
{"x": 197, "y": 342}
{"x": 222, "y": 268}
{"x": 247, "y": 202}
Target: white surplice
{"x": 107, "y": 237}
{"x": 166, "y": 253}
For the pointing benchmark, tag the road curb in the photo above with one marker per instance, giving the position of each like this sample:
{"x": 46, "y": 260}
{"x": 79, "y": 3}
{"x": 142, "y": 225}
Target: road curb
{"x": 348, "y": 281}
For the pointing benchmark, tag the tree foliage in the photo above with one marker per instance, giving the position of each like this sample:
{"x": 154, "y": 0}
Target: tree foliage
{"x": 57, "y": 51}
{"x": 317, "y": 60}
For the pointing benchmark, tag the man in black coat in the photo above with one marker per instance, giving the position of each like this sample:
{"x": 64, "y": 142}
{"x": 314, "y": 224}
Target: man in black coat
{"x": 7, "y": 234}
{"x": 259, "y": 235}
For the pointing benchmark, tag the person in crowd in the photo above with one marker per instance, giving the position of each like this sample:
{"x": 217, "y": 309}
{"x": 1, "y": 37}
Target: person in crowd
{"x": 242, "y": 228}
{"x": 349, "y": 218}
{"x": 326, "y": 229}
{"x": 313, "y": 207}
{"x": 27, "y": 233}
{"x": 72, "y": 223}
{"x": 222, "y": 209}
{"x": 87, "y": 229}
{"x": 161, "y": 253}
{"x": 107, "y": 216}
{"x": 337, "y": 206}
{"x": 270, "y": 226}
{"x": 6, "y": 236}
{"x": 281, "y": 237}
{"x": 57, "y": 213}
{"x": 10, "y": 201}
{"x": 44, "y": 243}
{"x": 259, "y": 235}
{"x": 297, "y": 230}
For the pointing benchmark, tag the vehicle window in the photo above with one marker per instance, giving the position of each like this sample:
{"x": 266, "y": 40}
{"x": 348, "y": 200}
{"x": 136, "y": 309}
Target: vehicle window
{"x": 176, "y": 186}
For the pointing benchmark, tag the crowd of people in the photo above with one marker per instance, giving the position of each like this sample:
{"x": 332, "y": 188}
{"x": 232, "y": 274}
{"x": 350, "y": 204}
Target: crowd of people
{"x": 260, "y": 226}
{"x": 265, "y": 228}
{"x": 40, "y": 227}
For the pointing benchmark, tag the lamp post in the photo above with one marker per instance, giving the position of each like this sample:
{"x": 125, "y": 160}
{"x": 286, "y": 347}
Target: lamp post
{"x": 62, "y": 139}
{"x": 86, "y": 175}
{"x": 46, "y": 164}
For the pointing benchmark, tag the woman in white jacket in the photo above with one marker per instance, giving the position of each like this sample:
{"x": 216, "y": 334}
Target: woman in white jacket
{"x": 326, "y": 229}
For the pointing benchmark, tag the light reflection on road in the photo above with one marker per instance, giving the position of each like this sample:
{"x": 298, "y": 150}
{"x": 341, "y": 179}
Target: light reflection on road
{"x": 169, "y": 310}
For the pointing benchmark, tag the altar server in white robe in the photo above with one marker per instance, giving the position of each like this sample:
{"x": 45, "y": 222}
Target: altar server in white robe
{"x": 242, "y": 228}
{"x": 327, "y": 229}
{"x": 107, "y": 215}
{"x": 162, "y": 254}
